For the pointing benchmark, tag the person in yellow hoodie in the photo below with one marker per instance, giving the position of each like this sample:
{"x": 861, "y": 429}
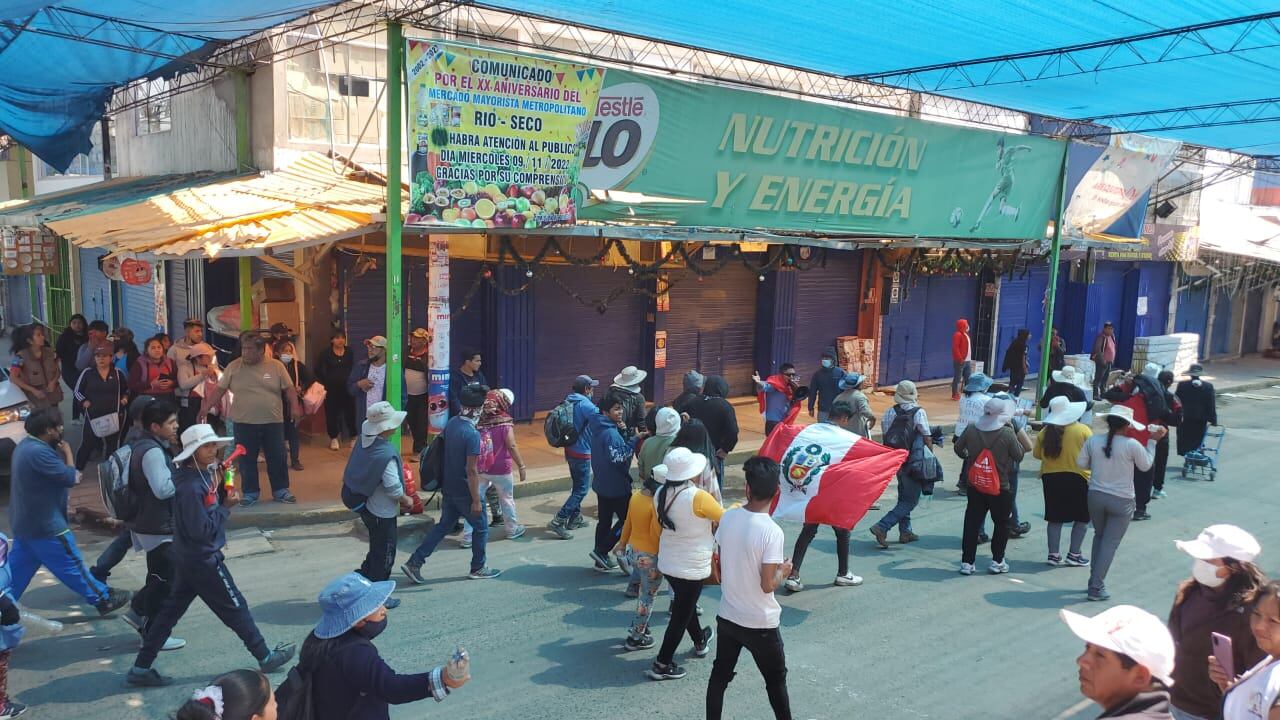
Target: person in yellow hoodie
{"x": 640, "y": 535}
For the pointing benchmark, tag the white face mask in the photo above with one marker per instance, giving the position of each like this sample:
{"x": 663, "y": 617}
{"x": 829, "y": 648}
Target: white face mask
{"x": 826, "y": 363}
{"x": 286, "y": 358}
{"x": 1206, "y": 573}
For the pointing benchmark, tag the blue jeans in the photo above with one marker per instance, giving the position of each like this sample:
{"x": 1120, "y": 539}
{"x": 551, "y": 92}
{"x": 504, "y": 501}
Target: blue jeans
{"x": 61, "y": 556}
{"x": 908, "y": 498}
{"x": 267, "y": 438}
{"x": 453, "y": 508}
{"x": 580, "y": 473}
{"x": 961, "y": 376}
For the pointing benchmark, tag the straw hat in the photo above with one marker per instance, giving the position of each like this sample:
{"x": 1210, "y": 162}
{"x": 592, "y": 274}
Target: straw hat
{"x": 1064, "y": 412}
{"x": 630, "y": 376}
{"x": 195, "y": 436}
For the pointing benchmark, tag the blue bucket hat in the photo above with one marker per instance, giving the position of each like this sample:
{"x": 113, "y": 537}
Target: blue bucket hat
{"x": 851, "y": 380}
{"x": 977, "y": 382}
{"x": 348, "y": 600}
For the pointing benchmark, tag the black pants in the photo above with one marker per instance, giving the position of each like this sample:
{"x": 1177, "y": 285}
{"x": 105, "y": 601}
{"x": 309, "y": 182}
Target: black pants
{"x": 210, "y": 581}
{"x": 1161, "y": 464}
{"x": 1100, "y": 374}
{"x": 1142, "y": 480}
{"x": 612, "y": 513}
{"x": 769, "y": 425}
{"x": 381, "y": 557}
{"x": 188, "y": 410}
{"x": 416, "y": 406}
{"x": 339, "y": 413}
{"x": 292, "y": 439}
{"x": 1016, "y": 380}
{"x": 112, "y": 556}
{"x": 766, "y": 649}
{"x": 684, "y": 616}
{"x": 975, "y": 514}
{"x": 90, "y": 444}
{"x": 802, "y": 545}
{"x": 160, "y": 569}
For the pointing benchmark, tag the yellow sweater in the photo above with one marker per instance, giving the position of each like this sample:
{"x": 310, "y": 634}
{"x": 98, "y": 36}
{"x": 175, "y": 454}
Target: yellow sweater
{"x": 641, "y": 529}
{"x": 1074, "y": 437}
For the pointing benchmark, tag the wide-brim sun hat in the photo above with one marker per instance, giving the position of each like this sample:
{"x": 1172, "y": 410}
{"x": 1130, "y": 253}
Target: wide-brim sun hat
{"x": 1064, "y": 412}
{"x": 1218, "y": 542}
{"x": 852, "y": 381}
{"x": 995, "y": 413}
{"x": 381, "y": 417}
{"x": 905, "y": 393}
{"x": 1124, "y": 412}
{"x": 1131, "y": 631}
{"x": 683, "y": 464}
{"x": 630, "y": 376}
{"x": 348, "y": 600}
{"x": 1065, "y": 375}
{"x": 200, "y": 349}
{"x": 978, "y": 382}
{"x": 196, "y": 436}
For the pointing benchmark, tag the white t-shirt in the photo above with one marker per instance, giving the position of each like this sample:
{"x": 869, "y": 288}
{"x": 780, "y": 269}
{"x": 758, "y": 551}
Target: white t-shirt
{"x": 747, "y": 540}
{"x": 377, "y": 376}
{"x": 1253, "y": 697}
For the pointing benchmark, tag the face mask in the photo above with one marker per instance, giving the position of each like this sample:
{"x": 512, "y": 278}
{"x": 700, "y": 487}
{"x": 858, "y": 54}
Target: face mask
{"x": 286, "y": 358}
{"x": 1206, "y": 573}
{"x": 826, "y": 362}
{"x": 371, "y": 629}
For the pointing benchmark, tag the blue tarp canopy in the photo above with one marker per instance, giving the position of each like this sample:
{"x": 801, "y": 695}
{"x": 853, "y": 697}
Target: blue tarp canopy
{"x": 59, "y": 61}
{"x": 1161, "y": 64}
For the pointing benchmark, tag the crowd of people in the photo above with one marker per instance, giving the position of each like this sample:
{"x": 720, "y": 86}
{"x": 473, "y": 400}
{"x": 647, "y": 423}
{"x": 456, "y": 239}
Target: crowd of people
{"x": 176, "y": 411}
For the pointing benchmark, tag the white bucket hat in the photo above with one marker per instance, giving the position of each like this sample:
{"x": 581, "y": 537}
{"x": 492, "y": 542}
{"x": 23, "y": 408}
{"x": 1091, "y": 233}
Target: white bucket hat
{"x": 905, "y": 393}
{"x": 1130, "y": 631}
{"x": 1222, "y": 541}
{"x": 630, "y": 376}
{"x": 195, "y": 436}
{"x": 1065, "y": 375}
{"x": 1124, "y": 412}
{"x": 683, "y": 464}
{"x": 380, "y": 418}
{"x": 1064, "y": 412}
{"x": 995, "y": 413}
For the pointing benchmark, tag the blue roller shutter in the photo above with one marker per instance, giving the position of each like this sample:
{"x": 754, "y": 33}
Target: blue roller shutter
{"x": 572, "y": 339}
{"x": 1021, "y": 307}
{"x": 466, "y": 329}
{"x": 175, "y": 292}
{"x": 951, "y": 297}
{"x": 95, "y": 288}
{"x": 902, "y": 335}
{"x": 1192, "y": 315}
{"x": 827, "y": 302}
{"x": 1222, "y": 324}
{"x": 711, "y": 329}
{"x": 140, "y": 310}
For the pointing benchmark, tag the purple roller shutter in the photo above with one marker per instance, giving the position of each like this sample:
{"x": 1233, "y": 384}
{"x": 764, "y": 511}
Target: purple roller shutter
{"x": 711, "y": 328}
{"x": 827, "y": 300}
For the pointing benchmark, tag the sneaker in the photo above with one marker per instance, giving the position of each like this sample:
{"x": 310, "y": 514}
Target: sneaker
{"x": 484, "y": 573}
{"x": 577, "y": 522}
{"x": 391, "y": 603}
{"x": 998, "y": 568}
{"x": 133, "y": 620}
{"x": 559, "y": 529}
{"x": 658, "y": 671}
{"x": 603, "y": 561}
{"x": 12, "y": 709}
{"x": 1158, "y": 494}
{"x": 955, "y": 397}
{"x": 1099, "y": 596}
{"x": 495, "y": 520}
{"x": 457, "y": 528}
{"x": 1141, "y": 516}
{"x": 278, "y": 657}
{"x": 287, "y": 498}
{"x": 1077, "y": 560}
{"x": 1054, "y": 560}
{"x": 848, "y": 580}
{"x": 137, "y": 677}
{"x": 880, "y": 536}
{"x": 247, "y": 501}
{"x": 983, "y": 538}
{"x": 624, "y": 563}
{"x": 114, "y": 600}
{"x": 518, "y": 532}
{"x": 644, "y": 642}
{"x": 172, "y": 643}
{"x": 333, "y": 443}
{"x": 413, "y": 571}
{"x": 697, "y": 609}
{"x": 1015, "y": 533}
{"x": 966, "y": 568}
{"x": 703, "y": 648}
{"x": 632, "y": 591}
{"x": 907, "y": 537}
{"x": 1024, "y": 527}
{"x": 464, "y": 543}
{"x": 296, "y": 465}
{"x": 793, "y": 584}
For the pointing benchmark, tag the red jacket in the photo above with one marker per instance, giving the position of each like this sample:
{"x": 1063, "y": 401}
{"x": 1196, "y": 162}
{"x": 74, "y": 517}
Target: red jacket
{"x": 144, "y": 376}
{"x": 960, "y": 341}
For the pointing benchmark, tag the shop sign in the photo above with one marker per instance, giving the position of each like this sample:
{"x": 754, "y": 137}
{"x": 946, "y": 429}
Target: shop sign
{"x": 701, "y": 155}
{"x": 659, "y": 349}
{"x": 27, "y": 251}
{"x": 1109, "y": 184}
{"x": 498, "y": 138}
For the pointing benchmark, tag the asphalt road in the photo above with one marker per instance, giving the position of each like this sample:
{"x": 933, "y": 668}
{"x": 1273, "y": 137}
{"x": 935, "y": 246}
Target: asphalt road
{"x": 916, "y": 640}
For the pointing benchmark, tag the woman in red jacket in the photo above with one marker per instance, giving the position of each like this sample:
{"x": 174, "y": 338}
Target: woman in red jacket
{"x": 154, "y": 373}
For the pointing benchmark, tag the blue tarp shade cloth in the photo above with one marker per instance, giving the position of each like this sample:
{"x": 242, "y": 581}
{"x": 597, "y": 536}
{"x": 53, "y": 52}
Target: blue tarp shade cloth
{"x": 1224, "y": 64}
{"x": 53, "y": 89}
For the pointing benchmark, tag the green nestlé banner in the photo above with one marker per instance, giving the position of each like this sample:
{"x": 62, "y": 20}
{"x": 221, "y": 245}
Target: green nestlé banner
{"x": 699, "y": 155}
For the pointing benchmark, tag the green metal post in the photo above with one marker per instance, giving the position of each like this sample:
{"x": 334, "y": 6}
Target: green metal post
{"x": 395, "y": 308}
{"x": 1042, "y": 380}
{"x": 244, "y": 163}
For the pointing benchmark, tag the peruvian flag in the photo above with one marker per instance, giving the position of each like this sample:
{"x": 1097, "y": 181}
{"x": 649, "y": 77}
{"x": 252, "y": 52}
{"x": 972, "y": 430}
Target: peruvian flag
{"x": 830, "y": 476}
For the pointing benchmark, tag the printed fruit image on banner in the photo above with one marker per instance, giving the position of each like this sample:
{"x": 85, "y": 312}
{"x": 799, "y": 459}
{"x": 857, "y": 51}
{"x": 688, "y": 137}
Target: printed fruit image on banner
{"x": 498, "y": 138}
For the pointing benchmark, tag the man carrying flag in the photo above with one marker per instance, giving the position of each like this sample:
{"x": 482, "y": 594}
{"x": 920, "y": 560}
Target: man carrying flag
{"x": 830, "y": 476}
{"x": 780, "y": 396}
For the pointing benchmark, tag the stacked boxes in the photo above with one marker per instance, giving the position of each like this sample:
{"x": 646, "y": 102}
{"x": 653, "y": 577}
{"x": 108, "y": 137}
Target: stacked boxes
{"x": 1085, "y": 370}
{"x": 1174, "y": 352}
{"x": 856, "y": 354}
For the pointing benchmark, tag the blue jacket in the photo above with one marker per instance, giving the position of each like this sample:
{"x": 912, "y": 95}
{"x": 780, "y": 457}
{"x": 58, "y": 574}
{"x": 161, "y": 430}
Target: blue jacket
{"x": 776, "y": 405}
{"x": 610, "y": 458}
{"x": 38, "y": 497}
{"x": 583, "y": 412}
{"x": 360, "y": 371}
{"x": 199, "y": 517}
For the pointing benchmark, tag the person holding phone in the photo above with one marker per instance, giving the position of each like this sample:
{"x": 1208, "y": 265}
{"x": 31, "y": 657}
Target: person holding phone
{"x": 1255, "y": 694}
{"x": 1213, "y": 604}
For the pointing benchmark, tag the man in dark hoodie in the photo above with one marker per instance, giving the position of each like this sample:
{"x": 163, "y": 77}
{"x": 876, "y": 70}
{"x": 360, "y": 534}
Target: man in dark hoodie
{"x": 693, "y": 384}
{"x": 717, "y": 414}
{"x": 825, "y": 384}
{"x": 611, "y": 453}
{"x": 1127, "y": 663}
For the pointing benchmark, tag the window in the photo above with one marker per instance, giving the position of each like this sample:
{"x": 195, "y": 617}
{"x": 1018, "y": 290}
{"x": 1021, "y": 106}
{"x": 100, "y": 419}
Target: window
{"x": 334, "y": 91}
{"x": 153, "y": 115}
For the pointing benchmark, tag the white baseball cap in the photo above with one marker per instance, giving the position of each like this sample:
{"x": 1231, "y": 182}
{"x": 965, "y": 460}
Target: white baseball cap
{"x": 1131, "y": 631}
{"x": 1221, "y": 541}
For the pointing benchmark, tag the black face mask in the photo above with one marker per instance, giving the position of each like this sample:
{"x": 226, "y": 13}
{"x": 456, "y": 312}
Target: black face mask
{"x": 371, "y": 629}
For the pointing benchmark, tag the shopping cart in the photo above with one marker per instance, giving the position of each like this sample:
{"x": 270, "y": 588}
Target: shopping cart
{"x": 1203, "y": 461}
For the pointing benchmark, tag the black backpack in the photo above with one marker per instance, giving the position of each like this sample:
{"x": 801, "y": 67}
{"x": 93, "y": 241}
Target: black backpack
{"x": 559, "y": 428}
{"x": 431, "y": 466}
{"x": 902, "y": 432}
{"x": 295, "y": 698}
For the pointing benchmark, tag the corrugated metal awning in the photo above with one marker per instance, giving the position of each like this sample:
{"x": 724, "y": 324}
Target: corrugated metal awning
{"x": 313, "y": 200}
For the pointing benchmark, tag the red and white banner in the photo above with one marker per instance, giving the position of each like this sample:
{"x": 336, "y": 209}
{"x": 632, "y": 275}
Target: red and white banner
{"x": 830, "y": 476}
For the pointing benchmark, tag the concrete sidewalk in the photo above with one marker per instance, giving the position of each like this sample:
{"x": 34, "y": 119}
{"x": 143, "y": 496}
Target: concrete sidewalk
{"x": 317, "y": 487}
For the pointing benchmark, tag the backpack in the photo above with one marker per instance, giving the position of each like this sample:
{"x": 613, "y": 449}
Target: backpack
{"x": 295, "y": 697}
{"x": 901, "y": 433}
{"x": 983, "y": 475}
{"x": 484, "y": 462}
{"x": 559, "y": 428}
{"x": 431, "y": 465}
{"x": 122, "y": 501}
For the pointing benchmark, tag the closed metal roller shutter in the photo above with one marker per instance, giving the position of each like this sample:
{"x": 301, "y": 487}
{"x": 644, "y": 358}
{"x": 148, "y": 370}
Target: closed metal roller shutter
{"x": 827, "y": 301}
{"x": 1192, "y": 315}
{"x": 95, "y": 288}
{"x": 1021, "y": 307}
{"x": 175, "y": 292}
{"x": 916, "y": 334}
{"x": 572, "y": 339}
{"x": 140, "y": 311}
{"x": 711, "y": 329}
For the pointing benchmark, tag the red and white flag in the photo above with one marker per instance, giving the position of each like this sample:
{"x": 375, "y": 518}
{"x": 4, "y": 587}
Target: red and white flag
{"x": 830, "y": 476}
